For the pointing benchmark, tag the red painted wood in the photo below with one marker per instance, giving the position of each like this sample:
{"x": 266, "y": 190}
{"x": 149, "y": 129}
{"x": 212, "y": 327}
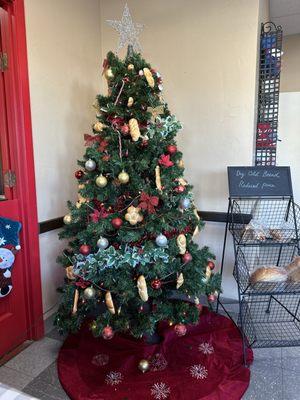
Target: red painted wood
{"x": 20, "y": 158}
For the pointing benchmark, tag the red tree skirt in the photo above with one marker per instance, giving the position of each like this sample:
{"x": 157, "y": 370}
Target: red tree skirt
{"x": 205, "y": 364}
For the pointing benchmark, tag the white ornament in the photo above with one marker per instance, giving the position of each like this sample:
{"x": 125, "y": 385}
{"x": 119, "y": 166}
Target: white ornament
{"x": 160, "y": 87}
{"x": 160, "y": 391}
{"x": 7, "y": 274}
{"x": 161, "y": 240}
{"x": 128, "y": 30}
{"x": 102, "y": 243}
{"x": 206, "y": 348}
{"x": 113, "y": 378}
{"x": 141, "y": 72}
{"x": 90, "y": 165}
{"x": 198, "y": 371}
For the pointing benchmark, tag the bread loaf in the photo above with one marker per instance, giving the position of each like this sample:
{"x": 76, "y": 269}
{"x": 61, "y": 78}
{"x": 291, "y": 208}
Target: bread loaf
{"x": 268, "y": 274}
{"x": 295, "y": 264}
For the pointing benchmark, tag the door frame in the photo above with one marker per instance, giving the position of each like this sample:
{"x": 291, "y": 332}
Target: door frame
{"x": 19, "y": 122}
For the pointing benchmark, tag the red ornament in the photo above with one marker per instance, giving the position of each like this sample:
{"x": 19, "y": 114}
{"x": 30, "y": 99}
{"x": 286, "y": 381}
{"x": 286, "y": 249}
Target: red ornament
{"x": 199, "y": 307}
{"x": 172, "y": 149}
{"x": 108, "y": 333}
{"x": 187, "y": 257}
{"x": 156, "y": 284}
{"x": 85, "y": 249}
{"x": 144, "y": 143}
{"x": 211, "y": 298}
{"x": 116, "y": 222}
{"x": 126, "y": 79}
{"x": 179, "y": 189}
{"x": 79, "y": 174}
{"x": 125, "y": 129}
{"x": 211, "y": 265}
{"x": 180, "y": 329}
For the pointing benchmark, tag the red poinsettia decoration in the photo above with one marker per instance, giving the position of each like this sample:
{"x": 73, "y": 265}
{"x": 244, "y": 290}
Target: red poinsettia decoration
{"x": 99, "y": 213}
{"x": 90, "y": 140}
{"x": 165, "y": 160}
{"x": 148, "y": 202}
{"x": 116, "y": 122}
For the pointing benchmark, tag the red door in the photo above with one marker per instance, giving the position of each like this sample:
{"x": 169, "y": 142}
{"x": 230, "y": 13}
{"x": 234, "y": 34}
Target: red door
{"x": 20, "y": 310}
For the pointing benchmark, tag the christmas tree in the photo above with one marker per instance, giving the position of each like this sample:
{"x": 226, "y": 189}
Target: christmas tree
{"x": 131, "y": 248}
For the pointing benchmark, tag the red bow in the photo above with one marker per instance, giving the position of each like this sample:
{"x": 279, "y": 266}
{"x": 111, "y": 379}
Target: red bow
{"x": 116, "y": 122}
{"x": 148, "y": 202}
{"x": 82, "y": 283}
{"x": 165, "y": 160}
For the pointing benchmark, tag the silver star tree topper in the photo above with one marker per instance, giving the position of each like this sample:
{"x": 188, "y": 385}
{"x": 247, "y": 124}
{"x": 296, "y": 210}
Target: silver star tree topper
{"x": 128, "y": 30}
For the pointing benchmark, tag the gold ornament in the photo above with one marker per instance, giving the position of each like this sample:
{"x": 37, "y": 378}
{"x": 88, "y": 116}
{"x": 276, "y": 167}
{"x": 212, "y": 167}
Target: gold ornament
{"x": 149, "y": 77}
{"x": 133, "y": 215}
{"x": 155, "y": 112}
{"x": 180, "y": 164}
{"x": 181, "y": 243}
{"x": 180, "y": 280}
{"x": 108, "y": 74}
{"x": 142, "y": 288}
{"x": 75, "y": 301}
{"x": 130, "y": 67}
{"x": 98, "y": 127}
{"x": 134, "y": 129}
{"x": 123, "y": 177}
{"x": 109, "y": 303}
{"x": 68, "y": 219}
{"x": 157, "y": 178}
{"x": 130, "y": 102}
{"x": 70, "y": 273}
{"x": 144, "y": 366}
{"x": 101, "y": 181}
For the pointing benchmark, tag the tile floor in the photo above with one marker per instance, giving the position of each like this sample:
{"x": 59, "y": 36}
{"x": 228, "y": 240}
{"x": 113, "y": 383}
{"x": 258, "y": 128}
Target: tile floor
{"x": 274, "y": 373}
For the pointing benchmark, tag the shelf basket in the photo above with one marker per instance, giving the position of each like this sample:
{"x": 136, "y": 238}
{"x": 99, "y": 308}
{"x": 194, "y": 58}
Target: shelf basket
{"x": 271, "y": 321}
{"x": 280, "y": 218}
{"x": 249, "y": 258}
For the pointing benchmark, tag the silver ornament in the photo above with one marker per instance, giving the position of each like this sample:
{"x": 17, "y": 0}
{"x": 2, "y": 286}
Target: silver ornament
{"x": 89, "y": 293}
{"x": 161, "y": 240}
{"x": 185, "y": 203}
{"x": 102, "y": 243}
{"x": 90, "y": 165}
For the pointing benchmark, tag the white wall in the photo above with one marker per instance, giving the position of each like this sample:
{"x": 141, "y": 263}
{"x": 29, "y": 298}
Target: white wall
{"x": 64, "y": 54}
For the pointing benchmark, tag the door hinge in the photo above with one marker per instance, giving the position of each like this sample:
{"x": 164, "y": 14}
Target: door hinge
{"x": 10, "y": 179}
{"x": 3, "y": 62}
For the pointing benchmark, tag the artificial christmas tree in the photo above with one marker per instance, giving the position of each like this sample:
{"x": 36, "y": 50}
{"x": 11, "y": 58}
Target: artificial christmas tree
{"x": 132, "y": 227}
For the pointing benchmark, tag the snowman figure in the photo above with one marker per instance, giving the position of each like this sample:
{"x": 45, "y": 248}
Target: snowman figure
{"x": 7, "y": 259}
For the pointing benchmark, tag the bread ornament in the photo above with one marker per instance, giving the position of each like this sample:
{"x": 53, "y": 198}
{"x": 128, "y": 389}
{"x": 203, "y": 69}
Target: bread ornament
{"x": 81, "y": 199}
{"x": 158, "y": 178}
{"x": 149, "y": 77}
{"x": 133, "y": 215}
{"x": 134, "y": 129}
{"x": 182, "y": 181}
{"x": 75, "y": 301}
{"x": 181, "y": 243}
{"x": 180, "y": 280}
{"x": 70, "y": 273}
{"x": 109, "y": 303}
{"x": 142, "y": 288}
{"x": 268, "y": 274}
{"x": 130, "y": 102}
{"x": 208, "y": 273}
{"x": 98, "y": 126}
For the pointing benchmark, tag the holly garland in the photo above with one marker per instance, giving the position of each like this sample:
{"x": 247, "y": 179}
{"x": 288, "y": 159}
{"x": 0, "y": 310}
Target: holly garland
{"x": 131, "y": 230}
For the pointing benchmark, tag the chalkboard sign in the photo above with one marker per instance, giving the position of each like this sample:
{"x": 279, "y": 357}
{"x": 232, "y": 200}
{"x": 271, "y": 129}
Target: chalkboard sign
{"x": 259, "y": 181}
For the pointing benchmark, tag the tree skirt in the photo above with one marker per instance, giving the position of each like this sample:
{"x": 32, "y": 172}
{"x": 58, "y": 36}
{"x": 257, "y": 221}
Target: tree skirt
{"x": 205, "y": 364}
